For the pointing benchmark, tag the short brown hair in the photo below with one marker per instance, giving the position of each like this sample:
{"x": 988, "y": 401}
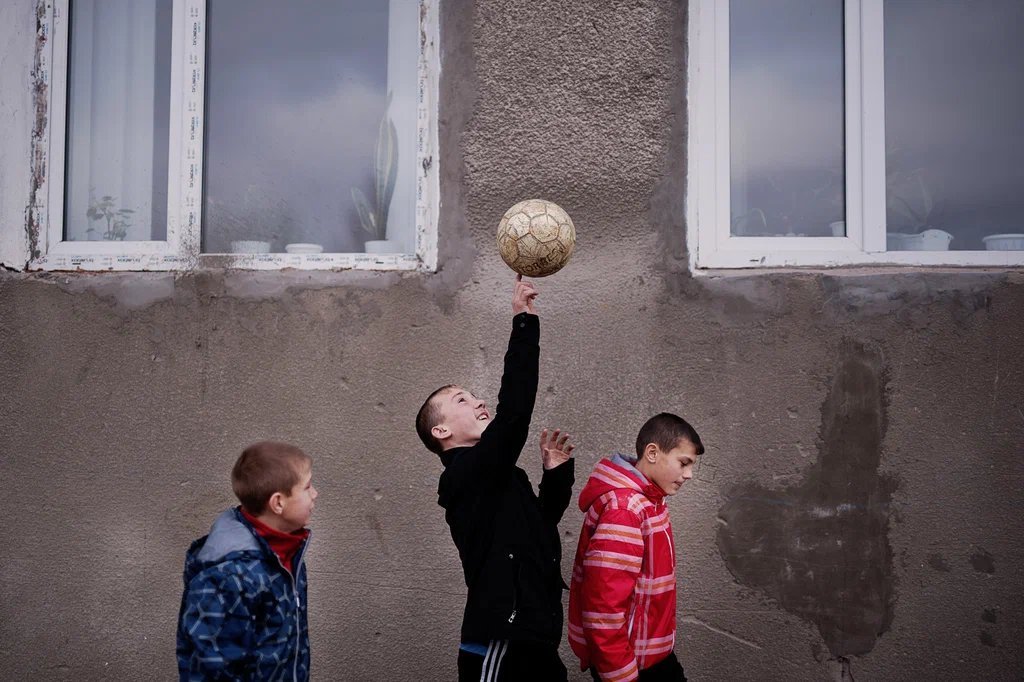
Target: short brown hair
{"x": 666, "y": 430}
{"x": 266, "y": 468}
{"x": 428, "y": 417}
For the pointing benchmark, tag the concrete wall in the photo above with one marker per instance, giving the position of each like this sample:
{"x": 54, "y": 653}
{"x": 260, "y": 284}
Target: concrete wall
{"x": 857, "y": 511}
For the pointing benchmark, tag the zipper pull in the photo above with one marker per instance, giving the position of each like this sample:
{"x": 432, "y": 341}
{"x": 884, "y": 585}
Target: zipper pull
{"x": 513, "y": 616}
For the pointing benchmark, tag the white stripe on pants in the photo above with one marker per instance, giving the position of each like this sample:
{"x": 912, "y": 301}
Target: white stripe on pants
{"x": 492, "y": 660}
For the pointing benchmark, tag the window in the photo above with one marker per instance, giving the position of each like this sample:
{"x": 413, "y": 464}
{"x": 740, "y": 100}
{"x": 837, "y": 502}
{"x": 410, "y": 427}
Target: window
{"x": 828, "y": 133}
{"x": 241, "y": 133}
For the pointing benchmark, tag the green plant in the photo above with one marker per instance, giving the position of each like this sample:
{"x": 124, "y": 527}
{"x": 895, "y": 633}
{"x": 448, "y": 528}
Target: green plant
{"x": 374, "y": 216}
{"x": 118, "y": 220}
{"x": 908, "y": 196}
{"x": 909, "y": 201}
{"x": 793, "y": 202}
{"x": 753, "y": 221}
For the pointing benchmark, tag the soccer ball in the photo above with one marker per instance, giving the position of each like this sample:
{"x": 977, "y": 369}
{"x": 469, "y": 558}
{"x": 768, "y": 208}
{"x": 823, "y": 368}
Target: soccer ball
{"x": 536, "y": 238}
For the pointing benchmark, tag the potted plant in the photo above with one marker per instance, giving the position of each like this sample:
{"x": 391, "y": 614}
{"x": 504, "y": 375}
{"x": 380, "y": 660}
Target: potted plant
{"x": 117, "y": 220}
{"x": 911, "y": 209}
{"x": 808, "y": 203}
{"x": 373, "y": 216}
{"x": 255, "y": 225}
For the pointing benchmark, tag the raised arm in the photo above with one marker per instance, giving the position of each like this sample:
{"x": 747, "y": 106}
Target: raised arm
{"x": 559, "y": 474}
{"x": 503, "y": 439}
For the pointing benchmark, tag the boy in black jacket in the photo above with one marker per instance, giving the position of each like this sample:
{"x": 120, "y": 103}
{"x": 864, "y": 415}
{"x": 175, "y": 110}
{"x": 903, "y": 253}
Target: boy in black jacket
{"x": 506, "y": 535}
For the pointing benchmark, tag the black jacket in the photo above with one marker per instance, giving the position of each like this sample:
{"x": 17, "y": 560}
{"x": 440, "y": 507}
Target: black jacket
{"x": 506, "y": 535}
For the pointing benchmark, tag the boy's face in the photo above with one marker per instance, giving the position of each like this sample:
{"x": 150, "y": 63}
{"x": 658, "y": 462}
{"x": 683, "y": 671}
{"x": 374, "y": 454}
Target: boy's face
{"x": 298, "y": 502}
{"x": 463, "y": 418}
{"x": 669, "y": 469}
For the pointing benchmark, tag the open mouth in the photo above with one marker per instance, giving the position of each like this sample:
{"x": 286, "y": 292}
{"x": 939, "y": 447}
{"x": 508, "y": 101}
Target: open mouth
{"x": 483, "y": 417}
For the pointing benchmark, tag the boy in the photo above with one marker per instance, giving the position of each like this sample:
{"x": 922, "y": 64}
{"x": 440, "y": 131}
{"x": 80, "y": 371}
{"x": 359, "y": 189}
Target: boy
{"x": 506, "y": 535}
{"x": 622, "y": 602}
{"x": 243, "y": 612}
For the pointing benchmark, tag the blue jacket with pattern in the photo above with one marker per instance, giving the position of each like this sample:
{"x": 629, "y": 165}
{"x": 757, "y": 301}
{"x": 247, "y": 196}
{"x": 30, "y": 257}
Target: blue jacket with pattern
{"x": 243, "y": 616}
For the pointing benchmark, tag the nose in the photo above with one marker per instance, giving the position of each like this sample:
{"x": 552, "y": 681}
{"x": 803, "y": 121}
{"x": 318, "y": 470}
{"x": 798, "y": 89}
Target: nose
{"x": 313, "y": 490}
{"x": 480, "y": 404}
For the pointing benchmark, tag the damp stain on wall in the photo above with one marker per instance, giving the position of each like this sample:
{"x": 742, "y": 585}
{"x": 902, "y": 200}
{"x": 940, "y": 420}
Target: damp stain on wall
{"x": 820, "y": 548}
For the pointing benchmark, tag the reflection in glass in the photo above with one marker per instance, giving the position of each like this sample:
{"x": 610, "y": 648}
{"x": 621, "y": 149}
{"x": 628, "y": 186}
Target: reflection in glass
{"x": 118, "y": 103}
{"x": 310, "y": 125}
{"x": 954, "y": 119}
{"x": 786, "y": 118}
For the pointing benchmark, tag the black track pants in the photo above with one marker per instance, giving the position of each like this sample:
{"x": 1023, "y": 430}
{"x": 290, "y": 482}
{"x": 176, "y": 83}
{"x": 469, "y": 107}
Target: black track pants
{"x": 512, "y": 662}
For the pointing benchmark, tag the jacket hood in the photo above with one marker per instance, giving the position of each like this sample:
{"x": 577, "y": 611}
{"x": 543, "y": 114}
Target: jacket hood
{"x": 617, "y": 473}
{"x": 227, "y": 535}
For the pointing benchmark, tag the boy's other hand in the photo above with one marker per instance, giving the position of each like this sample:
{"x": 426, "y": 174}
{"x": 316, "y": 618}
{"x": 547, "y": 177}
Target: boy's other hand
{"x": 523, "y": 296}
{"x": 556, "y": 449}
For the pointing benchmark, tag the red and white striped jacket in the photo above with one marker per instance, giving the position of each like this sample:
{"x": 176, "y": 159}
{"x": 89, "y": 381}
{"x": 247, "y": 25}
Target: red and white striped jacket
{"x": 622, "y": 601}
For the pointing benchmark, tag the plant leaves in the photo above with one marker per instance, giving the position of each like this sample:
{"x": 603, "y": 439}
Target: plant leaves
{"x": 386, "y": 167}
{"x": 366, "y": 216}
{"x": 387, "y": 190}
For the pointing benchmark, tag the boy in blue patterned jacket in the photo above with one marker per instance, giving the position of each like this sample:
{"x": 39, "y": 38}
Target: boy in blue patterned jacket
{"x": 243, "y": 611}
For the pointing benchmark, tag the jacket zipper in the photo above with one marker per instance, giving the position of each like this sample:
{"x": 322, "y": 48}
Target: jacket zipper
{"x": 298, "y": 605}
{"x": 515, "y": 589}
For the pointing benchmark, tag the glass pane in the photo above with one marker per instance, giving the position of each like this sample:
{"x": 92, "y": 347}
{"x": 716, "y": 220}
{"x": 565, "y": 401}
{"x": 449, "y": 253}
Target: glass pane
{"x": 119, "y": 58}
{"x": 310, "y": 125}
{"x": 954, "y": 124}
{"x": 787, "y": 174}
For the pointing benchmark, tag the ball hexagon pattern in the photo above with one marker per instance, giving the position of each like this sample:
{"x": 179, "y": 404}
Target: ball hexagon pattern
{"x": 536, "y": 237}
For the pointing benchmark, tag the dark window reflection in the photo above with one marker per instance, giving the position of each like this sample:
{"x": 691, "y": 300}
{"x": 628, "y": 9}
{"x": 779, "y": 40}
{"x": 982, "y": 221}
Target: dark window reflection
{"x": 954, "y": 118}
{"x": 786, "y": 123}
{"x": 295, "y": 95}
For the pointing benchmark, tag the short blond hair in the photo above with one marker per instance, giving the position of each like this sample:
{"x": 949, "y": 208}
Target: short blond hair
{"x": 266, "y": 468}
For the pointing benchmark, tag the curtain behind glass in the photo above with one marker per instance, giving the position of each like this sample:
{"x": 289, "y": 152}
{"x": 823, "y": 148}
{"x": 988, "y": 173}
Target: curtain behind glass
{"x": 118, "y": 88}
{"x": 786, "y": 118}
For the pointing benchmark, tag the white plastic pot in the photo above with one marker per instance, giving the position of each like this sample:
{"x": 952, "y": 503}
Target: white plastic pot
{"x": 1004, "y": 242}
{"x": 250, "y": 246}
{"x": 382, "y": 246}
{"x": 927, "y": 240}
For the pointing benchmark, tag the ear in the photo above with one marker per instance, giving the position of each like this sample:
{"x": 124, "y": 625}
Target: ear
{"x": 276, "y": 503}
{"x": 441, "y": 432}
{"x": 651, "y": 452}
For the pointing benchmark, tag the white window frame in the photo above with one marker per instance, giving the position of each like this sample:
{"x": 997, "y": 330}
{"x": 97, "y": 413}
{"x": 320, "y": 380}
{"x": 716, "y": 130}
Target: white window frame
{"x": 711, "y": 244}
{"x": 181, "y": 250}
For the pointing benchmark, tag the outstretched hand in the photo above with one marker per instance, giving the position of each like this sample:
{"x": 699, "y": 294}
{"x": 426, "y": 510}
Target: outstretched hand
{"x": 523, "y": 297}
{"x": 556, "y": 449}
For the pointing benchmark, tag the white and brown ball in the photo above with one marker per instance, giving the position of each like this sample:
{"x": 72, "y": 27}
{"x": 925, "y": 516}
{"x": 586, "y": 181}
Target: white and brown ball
{"x": 536, "y": 238}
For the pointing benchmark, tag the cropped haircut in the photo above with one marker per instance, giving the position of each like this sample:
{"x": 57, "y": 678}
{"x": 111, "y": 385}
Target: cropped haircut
{"x": 428, "y": 417}
{"x": 666, "y": 430}
{"x": 266, "y": 468}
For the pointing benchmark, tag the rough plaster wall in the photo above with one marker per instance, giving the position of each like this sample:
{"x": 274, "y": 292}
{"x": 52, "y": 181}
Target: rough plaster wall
{"x": 126, "y": 398}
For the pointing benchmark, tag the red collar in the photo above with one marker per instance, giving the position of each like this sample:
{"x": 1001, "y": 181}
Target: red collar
{"x": 285, "y": 545}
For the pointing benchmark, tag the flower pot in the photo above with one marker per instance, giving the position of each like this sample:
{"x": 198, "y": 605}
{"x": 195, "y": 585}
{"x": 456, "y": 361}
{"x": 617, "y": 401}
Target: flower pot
{"x": 1004, "y": 242}
{"x": 897, "y": 241}
{"x": 303, "y": 248}
{"x": 250, "y": 246}
{"x": 382, "y": 246}
{"x": 928, "y": 240}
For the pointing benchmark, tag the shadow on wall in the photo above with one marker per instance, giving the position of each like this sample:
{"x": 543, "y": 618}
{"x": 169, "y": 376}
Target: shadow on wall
{"x": 821, "y": 547}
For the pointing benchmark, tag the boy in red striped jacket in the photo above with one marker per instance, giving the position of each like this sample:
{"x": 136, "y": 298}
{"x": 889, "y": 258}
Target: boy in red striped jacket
{"x": 622, "y": 601}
